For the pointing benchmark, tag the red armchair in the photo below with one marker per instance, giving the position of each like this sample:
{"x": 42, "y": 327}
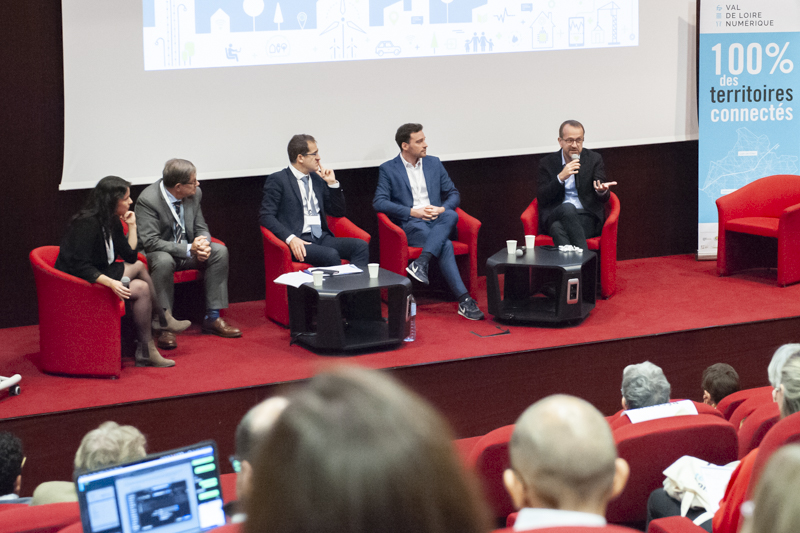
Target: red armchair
{"x": 768, "y": 207}
{"x": 79, "y": 322}
{"x": 605, "y": 244}
{"x": 396, "y": 253}
{"x": 278, "y": 260}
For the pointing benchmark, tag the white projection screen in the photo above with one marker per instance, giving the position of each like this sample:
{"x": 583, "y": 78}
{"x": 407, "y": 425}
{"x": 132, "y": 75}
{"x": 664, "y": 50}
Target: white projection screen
{"x": 226, "y": 83}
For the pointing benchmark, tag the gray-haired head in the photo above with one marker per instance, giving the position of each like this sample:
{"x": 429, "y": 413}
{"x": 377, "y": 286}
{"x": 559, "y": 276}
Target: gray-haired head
{"x": 644, "y": 385}
{"x": 255, "y": 424}
{"x": 563, "y": 453}
{"x": 779, "y": 358}
{"x": 108, "y": 445}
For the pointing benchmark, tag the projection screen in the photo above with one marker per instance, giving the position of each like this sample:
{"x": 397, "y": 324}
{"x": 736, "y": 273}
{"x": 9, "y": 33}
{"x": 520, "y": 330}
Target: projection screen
{"x": 226, "y": 83}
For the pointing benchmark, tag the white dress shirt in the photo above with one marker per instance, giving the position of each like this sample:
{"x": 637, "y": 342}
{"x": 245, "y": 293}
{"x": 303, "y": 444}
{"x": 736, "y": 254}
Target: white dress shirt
{"x": 416, "y": 179}
{"x": 308, "y": 219}
{"x": 530, "y": 518}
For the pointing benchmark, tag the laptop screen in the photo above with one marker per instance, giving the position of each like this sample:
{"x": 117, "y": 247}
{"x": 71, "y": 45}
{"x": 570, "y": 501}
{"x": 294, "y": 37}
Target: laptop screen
{"x": 172, "y": 492}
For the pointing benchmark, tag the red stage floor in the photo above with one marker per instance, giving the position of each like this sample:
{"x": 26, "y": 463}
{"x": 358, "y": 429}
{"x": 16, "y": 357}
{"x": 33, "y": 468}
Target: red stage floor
{"x": 656, "y": 295}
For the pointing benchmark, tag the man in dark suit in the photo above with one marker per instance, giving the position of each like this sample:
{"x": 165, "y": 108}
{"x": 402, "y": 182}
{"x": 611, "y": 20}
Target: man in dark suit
{"x": 296, "y": 202}
{"x": 422, "y": 200}
{"x": 572, "y": 189}
{"x": 174, "y": 235}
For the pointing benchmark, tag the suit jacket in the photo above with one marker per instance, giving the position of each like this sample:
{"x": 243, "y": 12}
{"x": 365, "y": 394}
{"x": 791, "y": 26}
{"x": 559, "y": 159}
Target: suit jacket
{"x": 156, "y": 223}
{"x": 393, "y": 195}
{"x": 282, "y": 204}
{"x": 550, "y": 191}
{"x": 83, "y": 250}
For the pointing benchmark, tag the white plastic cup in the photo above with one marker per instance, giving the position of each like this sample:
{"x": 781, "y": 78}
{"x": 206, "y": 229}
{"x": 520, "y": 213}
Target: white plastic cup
{"x": 373, "y": 270}
{"x": 318, "y": 277}
{"x": 512, "y": 247}
{"x": 530, "y": 242}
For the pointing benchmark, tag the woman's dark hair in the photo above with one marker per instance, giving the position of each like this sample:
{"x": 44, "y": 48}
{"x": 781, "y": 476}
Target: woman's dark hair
{"x": 355, "y": 452}
{"x": 102, "y": 201}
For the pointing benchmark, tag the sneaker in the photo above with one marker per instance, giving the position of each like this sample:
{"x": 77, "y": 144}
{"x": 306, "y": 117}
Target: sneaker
{"x": 469, "y": 309}
{"x": 418, "y": 271}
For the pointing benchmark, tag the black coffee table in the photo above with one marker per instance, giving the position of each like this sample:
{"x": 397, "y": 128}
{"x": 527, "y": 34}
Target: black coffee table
{"x": 571, "y": 276}
{"x": 345, "y": 312}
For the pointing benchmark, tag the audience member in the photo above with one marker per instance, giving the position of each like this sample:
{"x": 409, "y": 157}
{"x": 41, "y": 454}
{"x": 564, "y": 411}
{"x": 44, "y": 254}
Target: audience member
{"x": 564, "y": 465}
{"x": 354, "y": 451}
{"x": 12, "y": 459}
{"x": 249, "y": 433}
{"x": 719, "y": 380}
{"x": 726, "y": 518}
{"x": 779, "y": 358}
{"x": 644, "y": 385}
{"x": 108, "y": 445}
{"x": 774, "y": 507}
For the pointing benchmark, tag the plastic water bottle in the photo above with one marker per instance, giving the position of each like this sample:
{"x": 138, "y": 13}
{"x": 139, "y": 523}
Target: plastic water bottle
{"x": 411, "y": 319}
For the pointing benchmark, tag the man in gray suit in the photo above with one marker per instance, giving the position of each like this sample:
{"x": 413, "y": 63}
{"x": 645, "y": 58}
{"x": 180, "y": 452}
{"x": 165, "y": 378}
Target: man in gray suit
{"x": 174, "y": 235}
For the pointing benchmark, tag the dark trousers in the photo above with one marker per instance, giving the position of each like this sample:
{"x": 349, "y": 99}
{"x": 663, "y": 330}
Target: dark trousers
{"x": 329, "y": 250}
{"x": 434, "y": 237}
{"x": 569, "y": 225}
{"x": 661, "y": 505}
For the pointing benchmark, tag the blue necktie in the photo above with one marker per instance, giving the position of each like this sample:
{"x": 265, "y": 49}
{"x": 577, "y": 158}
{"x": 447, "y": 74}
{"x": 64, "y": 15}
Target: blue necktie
{"x": 316, "y": 229}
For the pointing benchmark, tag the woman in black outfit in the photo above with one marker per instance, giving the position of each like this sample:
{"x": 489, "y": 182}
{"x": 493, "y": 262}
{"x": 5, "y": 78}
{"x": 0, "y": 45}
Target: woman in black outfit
{"x": 94, "y": 241}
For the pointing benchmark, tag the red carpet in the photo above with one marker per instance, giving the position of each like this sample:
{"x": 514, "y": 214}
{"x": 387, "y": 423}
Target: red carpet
{"x": 655, "y": 295}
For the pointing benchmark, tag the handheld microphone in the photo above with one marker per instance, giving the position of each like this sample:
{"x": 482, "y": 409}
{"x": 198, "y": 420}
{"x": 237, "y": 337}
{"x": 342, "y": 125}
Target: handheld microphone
{"x": 575, "y": 157}
{"x": 126, "y": 282}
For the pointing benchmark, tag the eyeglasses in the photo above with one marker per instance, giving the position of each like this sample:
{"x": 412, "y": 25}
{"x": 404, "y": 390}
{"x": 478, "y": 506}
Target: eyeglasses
{"x": 313, "y": 154}
{"x": 578, "y": 141}
{"x": 235, "y": 463}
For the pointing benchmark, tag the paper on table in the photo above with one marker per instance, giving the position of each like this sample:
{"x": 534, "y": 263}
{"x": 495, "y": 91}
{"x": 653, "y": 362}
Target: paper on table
{"x": 295, "y": 279}
{"x": 340, "y": 269}
{"x": 664, "y": 410}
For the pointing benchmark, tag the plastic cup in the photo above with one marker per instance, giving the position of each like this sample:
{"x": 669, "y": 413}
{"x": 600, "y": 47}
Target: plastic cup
{"x": 512, "y": 247}
{"x": 530, "y": 242}
{"x": 318, "y": 277}
{"x": 373, "y": 270}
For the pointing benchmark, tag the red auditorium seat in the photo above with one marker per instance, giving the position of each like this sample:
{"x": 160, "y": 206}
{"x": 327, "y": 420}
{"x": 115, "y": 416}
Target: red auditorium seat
{"x": 77, "y": 527}
{"x": 731, "y": 402}
{"x": 278, "y": 261}
{"x": 396, "y": 253}
{"x": 674, "y": 524}
{"x": 48, "y": 518}
{"x": 489, "y": 459}
{"x": 617, "y": 420}
{"x": 786, "y": 431}
{"x": 605, "y": 244}
{"x": 229, "y": 528}
{"x": 768, "y": 208}
{"x": 79, "y": 322}
{"x": 228, "y": 485}
{"x": 650, "y": 447}
{"x": 756, "y": 426}
{"x": 748, "y": 406}
{"x": 464, "y": 446}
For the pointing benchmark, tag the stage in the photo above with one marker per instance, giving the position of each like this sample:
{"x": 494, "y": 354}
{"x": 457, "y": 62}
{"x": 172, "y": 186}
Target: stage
{"x": 673, "y": 310}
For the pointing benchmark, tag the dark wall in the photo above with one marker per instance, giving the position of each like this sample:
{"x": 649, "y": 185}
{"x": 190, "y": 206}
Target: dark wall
{"x": 657, "y": 183}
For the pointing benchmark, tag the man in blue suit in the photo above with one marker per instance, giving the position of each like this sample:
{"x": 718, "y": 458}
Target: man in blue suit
{"x": 296, "y": 202}
{"x": 422, "y": 200}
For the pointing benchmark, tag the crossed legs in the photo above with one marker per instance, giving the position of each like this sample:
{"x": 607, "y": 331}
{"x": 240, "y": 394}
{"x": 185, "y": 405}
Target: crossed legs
{"x": 434, "y": 237}
{"x": 570, "y": 225}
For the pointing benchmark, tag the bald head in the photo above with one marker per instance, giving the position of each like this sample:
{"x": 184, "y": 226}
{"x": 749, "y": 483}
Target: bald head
{"x": 563, "y": 452}
{"x": 255, "y": 424}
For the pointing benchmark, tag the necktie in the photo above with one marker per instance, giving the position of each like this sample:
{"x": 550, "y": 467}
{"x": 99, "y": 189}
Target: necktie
{"x": 316, "y": 229}
{"x": 178, "y": 228}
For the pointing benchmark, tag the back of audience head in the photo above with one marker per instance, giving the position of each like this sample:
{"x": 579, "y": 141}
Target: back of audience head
{"x": 778, "y": 359}
{"x": 110, "y": 444}
{"x": 11, "y": 460}
{"x": 775, "y": 508}
{"x": 354, "y": 451}
{"x": 644, "y": 385}
{"x": 719, "y": 380}
{"x": 563, "y": 456}
{"x": 788, "y": 392}
{"x": 249, "y": 433}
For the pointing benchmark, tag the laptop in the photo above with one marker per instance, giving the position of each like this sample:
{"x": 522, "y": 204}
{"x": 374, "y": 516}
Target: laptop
{"x": 171, "y": 492}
